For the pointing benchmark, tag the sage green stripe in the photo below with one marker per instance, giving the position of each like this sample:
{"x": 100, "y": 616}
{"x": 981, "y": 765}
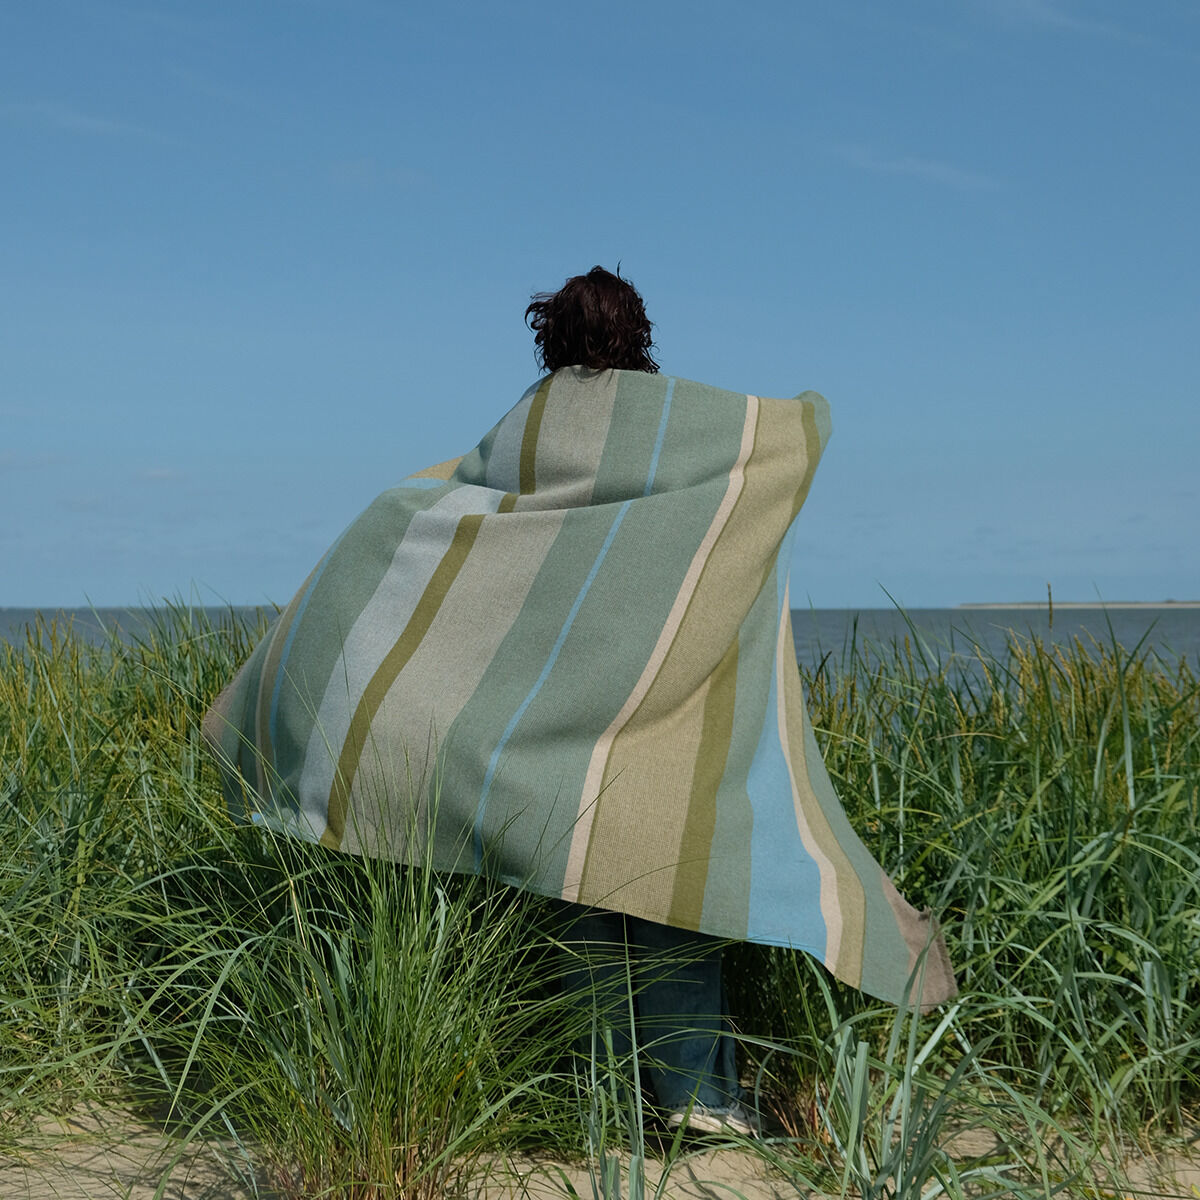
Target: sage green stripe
{"x": 691, "y": 876}
{"x": 356, "y": 739}
{"x": 228, "y": 726}
{"x": 265, "y": 685}
{"x": 703, "y": 426}
{"x": 533, "y": 426}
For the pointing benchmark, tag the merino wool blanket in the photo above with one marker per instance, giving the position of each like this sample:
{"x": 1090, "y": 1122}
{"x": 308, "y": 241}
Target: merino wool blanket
{"x": 567, "y": 659}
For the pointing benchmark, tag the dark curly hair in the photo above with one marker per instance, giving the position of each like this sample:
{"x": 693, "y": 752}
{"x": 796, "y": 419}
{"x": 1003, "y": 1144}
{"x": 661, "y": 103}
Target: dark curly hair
{"x": 595, "y": 320}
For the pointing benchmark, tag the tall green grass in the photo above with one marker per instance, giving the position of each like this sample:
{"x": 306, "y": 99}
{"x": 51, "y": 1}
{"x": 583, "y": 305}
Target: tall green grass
{"x": 103, "y": 788}
{"x": 369, "y": 1030}
{"x": 1048, "y": 806}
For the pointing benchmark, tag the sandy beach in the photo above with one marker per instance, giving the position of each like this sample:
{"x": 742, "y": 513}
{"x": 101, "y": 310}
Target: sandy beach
{"x": 96, "y": 1154}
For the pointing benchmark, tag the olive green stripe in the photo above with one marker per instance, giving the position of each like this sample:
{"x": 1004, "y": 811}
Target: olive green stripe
{"x": 812, "y": 447}
{"x": 812, "y": 453}
{"x": 716, "y": 733}
{"x": 418, "y": 625}
{"x": 507, "y": 502}
{"x": 533, "y": 426}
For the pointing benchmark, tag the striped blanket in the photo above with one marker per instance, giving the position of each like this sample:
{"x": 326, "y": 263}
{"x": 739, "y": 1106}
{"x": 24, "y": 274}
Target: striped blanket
{"x": 567, "y": 658}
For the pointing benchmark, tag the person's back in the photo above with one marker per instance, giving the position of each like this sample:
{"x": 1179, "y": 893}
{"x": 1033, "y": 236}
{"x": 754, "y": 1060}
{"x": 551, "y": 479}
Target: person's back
{"x": 574, "y": 645}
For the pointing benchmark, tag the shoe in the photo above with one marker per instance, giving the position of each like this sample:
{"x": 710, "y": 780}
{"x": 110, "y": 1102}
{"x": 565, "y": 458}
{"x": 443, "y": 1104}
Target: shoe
{"x": 732, "y": 1118}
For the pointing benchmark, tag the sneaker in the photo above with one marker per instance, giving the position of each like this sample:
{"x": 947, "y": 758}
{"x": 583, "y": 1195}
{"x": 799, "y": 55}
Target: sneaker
{"x": 731, "y": 1118}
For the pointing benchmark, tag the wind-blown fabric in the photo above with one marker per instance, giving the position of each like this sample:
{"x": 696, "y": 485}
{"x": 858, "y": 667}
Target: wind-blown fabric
{"x": 567, "y": 657}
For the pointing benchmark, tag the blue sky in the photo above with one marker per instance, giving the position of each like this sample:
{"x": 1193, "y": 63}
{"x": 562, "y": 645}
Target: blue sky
{"x": 261, "y": 259}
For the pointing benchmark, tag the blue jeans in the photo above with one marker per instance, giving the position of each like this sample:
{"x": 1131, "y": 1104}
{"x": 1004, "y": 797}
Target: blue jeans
{"x": 678, "y": 1001}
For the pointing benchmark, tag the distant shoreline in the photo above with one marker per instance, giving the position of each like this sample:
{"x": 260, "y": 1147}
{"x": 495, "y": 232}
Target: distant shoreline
{"x": 1095, "y": 605}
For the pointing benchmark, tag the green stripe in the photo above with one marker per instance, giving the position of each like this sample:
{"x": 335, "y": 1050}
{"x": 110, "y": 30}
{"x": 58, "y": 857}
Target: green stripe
{"x": 231, "y": 723}
{"x": 624, "y": 461}
{"x": 418, "y": 625}
{"x": 265, "y": 684}
{"x": 533, "y": 426}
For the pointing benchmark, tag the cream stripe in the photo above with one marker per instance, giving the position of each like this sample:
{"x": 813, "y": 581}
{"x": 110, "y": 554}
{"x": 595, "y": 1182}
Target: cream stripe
{"x": 581, "y": 833}
{"x": 831, "y": 911}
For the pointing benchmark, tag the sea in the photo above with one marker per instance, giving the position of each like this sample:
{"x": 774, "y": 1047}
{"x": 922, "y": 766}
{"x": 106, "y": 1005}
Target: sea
{"x": 1171, "y": 631}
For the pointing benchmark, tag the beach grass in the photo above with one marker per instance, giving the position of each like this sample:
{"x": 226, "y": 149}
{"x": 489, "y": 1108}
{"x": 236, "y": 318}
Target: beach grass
{"x": 369, "y": 1030}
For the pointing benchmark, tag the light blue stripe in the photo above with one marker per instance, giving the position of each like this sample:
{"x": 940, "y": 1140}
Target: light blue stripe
{"x": 541, "y": 679}
{"x": 426, "y": 483}
{"x": 662, "y": 433}
{"x": 785, "y": 881}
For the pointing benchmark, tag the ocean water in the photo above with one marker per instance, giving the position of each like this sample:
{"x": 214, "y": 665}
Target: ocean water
{"x": 98, "y": 624}
{"x": 1172, "y": 631}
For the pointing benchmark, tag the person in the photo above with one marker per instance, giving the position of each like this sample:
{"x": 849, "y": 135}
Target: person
{"x": 565, "y": 660}
{"x": 598, "y": 321}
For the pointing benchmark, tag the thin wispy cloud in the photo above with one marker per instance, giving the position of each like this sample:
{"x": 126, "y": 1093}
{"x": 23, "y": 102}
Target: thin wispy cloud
{"x": 63, "y": 118}
{"x": 1058, "y": 16}
{"x": 930, "y": 170}
{"x": 1051, "y": 15}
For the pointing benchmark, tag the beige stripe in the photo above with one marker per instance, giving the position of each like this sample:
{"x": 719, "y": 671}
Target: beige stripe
{"x": 637, "y": 846}
{"x": 577, "y": 857}
{"x": 830, "y": 908}
{"x": 442, "y": 470}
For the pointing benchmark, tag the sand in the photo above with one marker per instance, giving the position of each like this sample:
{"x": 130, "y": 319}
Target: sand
{"x": 97, "y": 1154}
